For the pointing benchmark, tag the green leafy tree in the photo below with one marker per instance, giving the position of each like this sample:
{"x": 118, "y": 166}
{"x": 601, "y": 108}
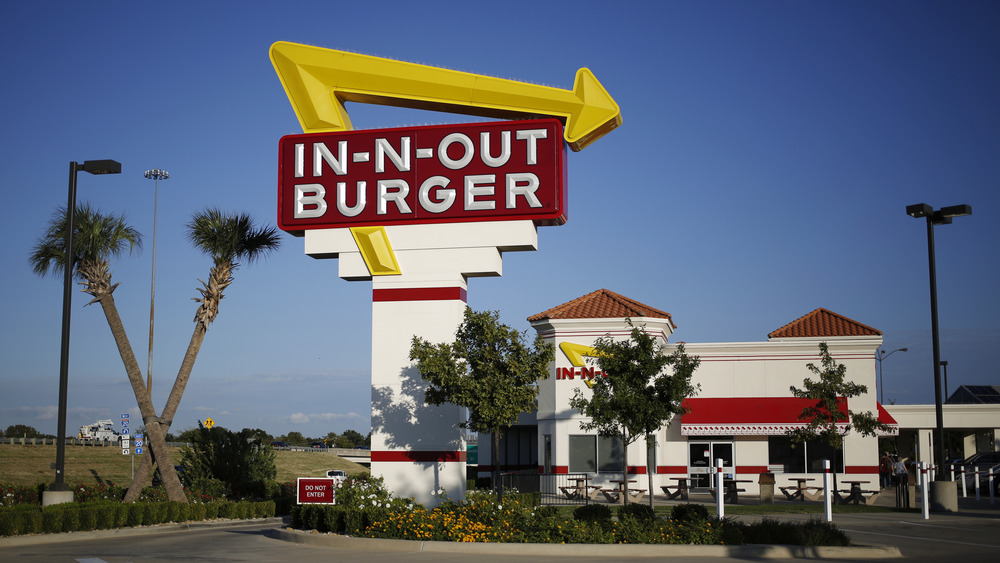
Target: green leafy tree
{"x": 636, "y": 397}
{"x": 831, "y": 392}
{"x": 350, "y": 439}
{"x": 228, "y": 239}
{"x": 244, "y": 460}
{"x": 294, "y": 438}
{"x": 97, "y": 238}
{"x": 488, "y": 369}
{"x": 21, "y": 431}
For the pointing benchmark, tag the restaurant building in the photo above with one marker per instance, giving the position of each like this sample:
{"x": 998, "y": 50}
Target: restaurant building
{"x": 740, "y": 414}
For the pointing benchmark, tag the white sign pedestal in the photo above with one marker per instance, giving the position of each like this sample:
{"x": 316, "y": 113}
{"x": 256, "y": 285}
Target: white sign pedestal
{"x": 417, "y": 448}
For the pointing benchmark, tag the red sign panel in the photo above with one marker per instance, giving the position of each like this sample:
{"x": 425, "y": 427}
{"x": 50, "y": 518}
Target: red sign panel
{"x": 507, "y": 170}
{"x": 315, "y": 491}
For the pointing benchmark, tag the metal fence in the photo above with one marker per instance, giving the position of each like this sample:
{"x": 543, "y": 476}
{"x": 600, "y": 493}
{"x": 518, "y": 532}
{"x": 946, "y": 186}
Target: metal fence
{"x": 555, "y": 488}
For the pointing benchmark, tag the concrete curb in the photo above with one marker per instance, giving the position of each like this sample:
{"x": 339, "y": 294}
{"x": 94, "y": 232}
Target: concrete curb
{"x": 40, "y": 539}
{"x": 592, "y": 550}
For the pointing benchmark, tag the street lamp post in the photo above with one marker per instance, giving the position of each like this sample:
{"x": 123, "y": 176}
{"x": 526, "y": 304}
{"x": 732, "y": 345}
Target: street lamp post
{"x": 881, "y": 355}
{"x": 944, "y": 364}
{"x": 942, "y": 216}
{"x": 60, "y": 492}
{"x": 156, "y": 175}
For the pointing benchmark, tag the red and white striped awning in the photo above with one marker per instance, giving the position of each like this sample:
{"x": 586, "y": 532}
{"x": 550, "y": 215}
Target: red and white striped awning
{"x": 756, "y": 416}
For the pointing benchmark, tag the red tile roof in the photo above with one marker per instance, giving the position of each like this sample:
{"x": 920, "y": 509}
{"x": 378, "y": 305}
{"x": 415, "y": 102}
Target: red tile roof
{"x": 601, "y": 304}
{"x": 822, "y": 322}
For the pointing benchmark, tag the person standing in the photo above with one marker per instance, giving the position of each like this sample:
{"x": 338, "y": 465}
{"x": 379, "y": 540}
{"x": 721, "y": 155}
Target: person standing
{"x": 885, "y": 471}
{"x": 902, "y": 483}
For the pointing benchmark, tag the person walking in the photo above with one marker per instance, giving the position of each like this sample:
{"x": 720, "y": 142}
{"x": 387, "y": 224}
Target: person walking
{"x": 885, "y": 471}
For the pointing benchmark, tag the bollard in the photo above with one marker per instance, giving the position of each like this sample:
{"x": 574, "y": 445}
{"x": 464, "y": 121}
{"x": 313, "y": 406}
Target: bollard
{"x": 977, "y": 483}
{"x": 925, "y": 505}
{"x": 952, "y": 466}
{"x": 991, "y": 486}
{"x": 965, "y": 493}
{"x": 720, "y": 509}
{"x": 827, "y": 492}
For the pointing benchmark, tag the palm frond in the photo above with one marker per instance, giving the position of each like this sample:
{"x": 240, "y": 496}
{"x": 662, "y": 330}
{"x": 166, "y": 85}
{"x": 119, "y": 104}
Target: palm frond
{"x": 97, "y": 237}
{"x": 231, "y": 237}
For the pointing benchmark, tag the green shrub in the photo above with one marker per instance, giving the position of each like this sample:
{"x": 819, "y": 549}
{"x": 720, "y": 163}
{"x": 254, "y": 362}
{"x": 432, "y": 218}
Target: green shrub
{"x": 811, "y": 532}
{"x": 197, "y": 512}
{"x": 88, "y": 517}
{"x": 134, "y": 514}
{"x": 20, "y": 519}
{"x": 52, "y": 519}
{"x": 689, "y": 513}
{"x": 71, "y": 519}
{"x": 212, "y": 510}
{"x": 593, "y": 513}
{"x": 641, "y": 512}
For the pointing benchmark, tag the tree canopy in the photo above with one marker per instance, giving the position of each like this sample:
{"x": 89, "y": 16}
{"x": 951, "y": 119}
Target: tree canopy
{"x": 488, "y": 369}
{"x": 636, "y": 396}
{"x": 830, "y": 393}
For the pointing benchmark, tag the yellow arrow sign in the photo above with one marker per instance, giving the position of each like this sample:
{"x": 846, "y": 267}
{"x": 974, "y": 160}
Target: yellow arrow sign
{"x": 209, "y": 423}
{"x": 575, "y": 353}
{"x": 319, "y": 81}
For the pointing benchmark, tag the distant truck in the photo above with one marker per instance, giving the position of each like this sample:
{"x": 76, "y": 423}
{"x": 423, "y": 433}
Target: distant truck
{"x": 338, "y": 476}
{"x": 100, "y": 430}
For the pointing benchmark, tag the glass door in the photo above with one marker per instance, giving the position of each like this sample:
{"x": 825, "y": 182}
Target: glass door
{"x": 701, "y": 461}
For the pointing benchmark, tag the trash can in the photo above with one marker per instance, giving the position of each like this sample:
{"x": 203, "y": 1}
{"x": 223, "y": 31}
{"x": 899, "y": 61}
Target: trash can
{"x": 766, "y": 484}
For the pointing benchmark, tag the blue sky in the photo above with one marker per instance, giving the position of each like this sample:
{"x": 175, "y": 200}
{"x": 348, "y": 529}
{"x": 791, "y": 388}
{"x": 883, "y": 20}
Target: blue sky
{"x": 767, "y": 154}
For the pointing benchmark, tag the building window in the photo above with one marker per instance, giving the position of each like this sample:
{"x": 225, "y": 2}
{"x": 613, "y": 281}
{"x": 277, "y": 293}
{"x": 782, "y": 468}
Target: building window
{"x": 590, "y": 454}
{"x": 802, "y": 457}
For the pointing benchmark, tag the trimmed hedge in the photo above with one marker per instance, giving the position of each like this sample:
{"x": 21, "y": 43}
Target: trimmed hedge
{"x": 102, "y": 515}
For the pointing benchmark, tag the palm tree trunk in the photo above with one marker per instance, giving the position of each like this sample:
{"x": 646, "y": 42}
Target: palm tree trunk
{"x": 157, "y": 443}
{"x": 170, "y": 409}
{"x": 211, "y": 294}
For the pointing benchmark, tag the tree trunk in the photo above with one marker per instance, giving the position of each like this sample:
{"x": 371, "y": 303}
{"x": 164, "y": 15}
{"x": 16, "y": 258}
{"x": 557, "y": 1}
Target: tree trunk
{"x": 495, "y": 474}
{"x": 624, "y": 470}
{"x": 211, "y": 294}
{"x": 650, "y": 463}
{"x": 170, "y": 409}
{"x": 157, "y": 443}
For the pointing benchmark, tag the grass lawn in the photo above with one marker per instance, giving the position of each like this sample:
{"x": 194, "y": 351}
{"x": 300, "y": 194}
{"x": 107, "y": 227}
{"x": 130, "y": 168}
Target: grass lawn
{"x": 29, "y": 465}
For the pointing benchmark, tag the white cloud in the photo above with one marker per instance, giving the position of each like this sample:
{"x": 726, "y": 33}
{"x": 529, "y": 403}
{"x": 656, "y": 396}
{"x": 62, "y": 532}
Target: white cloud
{"x": 302, "y": 418}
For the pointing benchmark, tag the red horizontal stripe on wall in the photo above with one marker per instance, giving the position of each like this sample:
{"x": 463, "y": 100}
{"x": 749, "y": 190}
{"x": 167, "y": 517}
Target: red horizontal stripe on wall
{"x": 637, "y": 469}
{"x": 560, "y": 469}
{"x": 665, "y": 469}
{"x": 861, "y": 469}
{"x": 417, "y": 456}
{"x": 751, "y": 469}
{"x": 420, "y": 294}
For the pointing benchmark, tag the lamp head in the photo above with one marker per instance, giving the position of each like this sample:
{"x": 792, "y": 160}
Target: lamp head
{"x": 102, "y": 167}
{"x": 956, "y": 211}
{"x": 919, "y": 210}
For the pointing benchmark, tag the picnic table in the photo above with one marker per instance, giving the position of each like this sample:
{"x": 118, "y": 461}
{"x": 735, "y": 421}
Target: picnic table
{"x": 615, "y": 495}
{"x": 580, "y": 489}
{"x": 679, "y": 489}
{"x": 731, "y": 490}
{"x": 857, "y": 495}
{"x": 800, "y": 489}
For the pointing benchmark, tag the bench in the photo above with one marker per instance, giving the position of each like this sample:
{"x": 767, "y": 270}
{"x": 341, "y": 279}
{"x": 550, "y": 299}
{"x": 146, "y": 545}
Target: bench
{"x": 573, "y": 492}
{"x": 814, "y": 494}
{"x": 731, "y": 494}
{"x": 856, "y": 496}
{"x": 678, "y": 491}
{"x": 614, "y": 495}
{"x": 796, "y": 492}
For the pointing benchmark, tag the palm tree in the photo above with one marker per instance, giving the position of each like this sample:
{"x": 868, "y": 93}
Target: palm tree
{"x": 229, "y": 239}
{"x": 98, "y": 238}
